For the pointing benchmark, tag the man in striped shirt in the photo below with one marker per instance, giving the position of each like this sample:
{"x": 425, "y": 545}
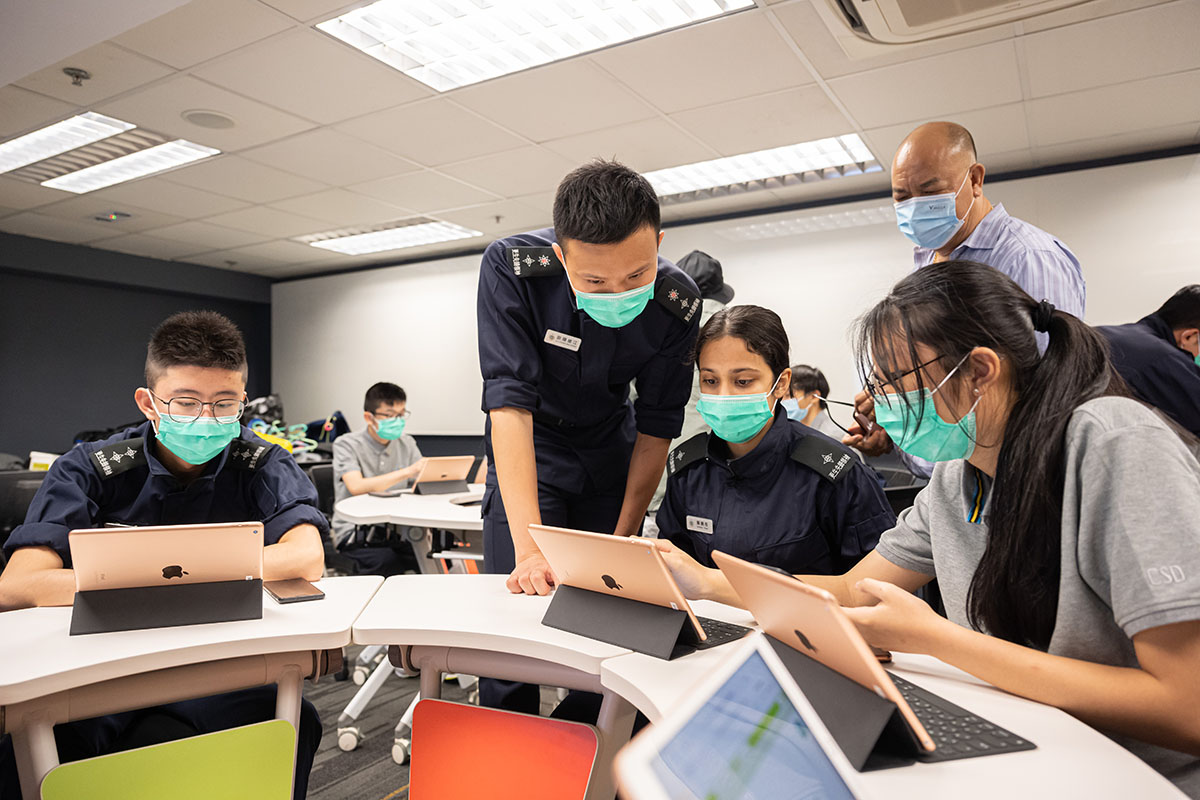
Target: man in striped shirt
{"x": 937, "y": 186}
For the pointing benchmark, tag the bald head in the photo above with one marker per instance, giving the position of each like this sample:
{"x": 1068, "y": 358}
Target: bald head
{"x": 938, "y": 158}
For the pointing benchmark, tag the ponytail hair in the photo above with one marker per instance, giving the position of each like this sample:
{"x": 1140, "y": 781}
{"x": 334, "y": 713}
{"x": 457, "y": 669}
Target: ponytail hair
{"x": 953, "y": 307}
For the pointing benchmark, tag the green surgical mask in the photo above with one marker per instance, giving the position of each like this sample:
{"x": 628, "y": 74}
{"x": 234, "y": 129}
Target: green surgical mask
{"x": 737, "y": 418}
{"x": 196, "y": 442}
{"x": 390, "y": 428}
{"x": 1197, "y": 359}
{"x": 929, "y": 436}
{"x": 614, "y": 310}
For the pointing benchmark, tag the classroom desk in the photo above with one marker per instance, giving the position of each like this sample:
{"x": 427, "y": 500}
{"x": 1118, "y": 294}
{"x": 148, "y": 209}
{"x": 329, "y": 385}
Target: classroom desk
{"x": 419, "y": 510}
{"x": 64, "y": 678}
{"x": 472, "y": 624}
{"x": 1072, "y": 759}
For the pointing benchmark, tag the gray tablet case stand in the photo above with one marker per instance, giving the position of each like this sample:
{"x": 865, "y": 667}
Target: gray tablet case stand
{"x": 105, "y": 610}
{"x": 654, "y": 630}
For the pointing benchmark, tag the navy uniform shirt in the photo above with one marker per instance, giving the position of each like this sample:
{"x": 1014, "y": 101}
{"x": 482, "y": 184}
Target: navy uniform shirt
{"x": 120, "y": 480}
{"x": 798, "y": 501}
{"x": 540, "y": 353}
{"x": 1159, "y": 371}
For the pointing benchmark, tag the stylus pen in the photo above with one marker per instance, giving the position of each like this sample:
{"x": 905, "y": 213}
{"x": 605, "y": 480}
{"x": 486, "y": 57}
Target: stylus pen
{"x": 118, "y": 525}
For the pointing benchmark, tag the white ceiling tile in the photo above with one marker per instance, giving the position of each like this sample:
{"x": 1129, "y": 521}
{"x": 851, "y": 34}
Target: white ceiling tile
{"x": 88, "y": 206}
{"x": 140, "y": 244}
{"x": 314, "y": 76}
{"x": 1153, "y": 41}
{"x": 645, "y": 146}
{"x": 555, "y": 100}
{"x": 305, "y": 10}
{"x": 933, "y": 87}
{"x": 432, "y": 132}
{"x": 247, "y": 180}
{"x": 20, "y": 194}
{"x": 22, "y": 111}
{"x": 113, "y": 70}
{"x": 515, "y": 172}
{"x": 5, "y": 211}
{"x": 765, "y": 121}
{"x": 424, "y": 191}
{"x": 269, "y": 222}
{"x": 161, "y": 107}
{"x": 31, "y": 223}
{"x": 1139, "y": 141}
{"x": 259, "y": 256}
{"x": 995, "y": 130}
{"x": 834, "y": 50}
{"x": 716, "y": 205}
{"x": 340, "y": 207}
{"x": 204, "y": 236}
{"x": 169, "y": 198}
{"x": 719, "y": 60}
{"x": 837, "y": 187}
{"x": 331, "y": 157}
{"x": 514, "y": 217}
{"x": 231, "y": 260}
{"x": 1146, "y": 104}
{"x": 1010, "y": 161}
{"x": 1081, "y": 12}
{"x": 203, "y": 29}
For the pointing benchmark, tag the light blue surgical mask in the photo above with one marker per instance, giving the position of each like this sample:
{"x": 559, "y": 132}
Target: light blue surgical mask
{"x": 927, "y": 436}
{"x": 737, "y": 418}
{"x": 196, "y": 442}
{"x": 615, "y": 310}
{"x": 792, "y": 406}
{"x": 930, "y": 221}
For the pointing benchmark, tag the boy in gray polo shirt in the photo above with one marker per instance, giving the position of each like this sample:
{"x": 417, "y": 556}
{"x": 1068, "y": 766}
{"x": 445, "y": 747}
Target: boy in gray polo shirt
{"x": 379, "y": 458}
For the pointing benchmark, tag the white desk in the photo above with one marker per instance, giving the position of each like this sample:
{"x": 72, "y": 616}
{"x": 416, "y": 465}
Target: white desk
{"x": 420, "y": 510}
{"x": 67, "y": 677}
{"x": 1072, "y": 759}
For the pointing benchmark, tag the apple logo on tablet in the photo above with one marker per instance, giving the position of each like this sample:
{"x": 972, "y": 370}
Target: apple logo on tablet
{"x": 804, "y": 640}
{"x": 610, "y": 582}
{"x": 173, "y": 571}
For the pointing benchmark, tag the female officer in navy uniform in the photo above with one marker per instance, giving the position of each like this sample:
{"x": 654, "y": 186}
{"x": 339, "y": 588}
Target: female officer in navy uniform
{"x": 763, "y": 487}
{"x": 567, "y": 319}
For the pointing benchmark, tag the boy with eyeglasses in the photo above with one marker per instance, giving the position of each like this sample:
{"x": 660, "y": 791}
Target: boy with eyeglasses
{"x": 376, "y": 459}
{"x": 191, "y": 462}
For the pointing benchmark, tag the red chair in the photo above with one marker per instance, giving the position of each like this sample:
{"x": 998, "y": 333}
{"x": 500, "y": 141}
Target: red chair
{"x": 469, "y": 752}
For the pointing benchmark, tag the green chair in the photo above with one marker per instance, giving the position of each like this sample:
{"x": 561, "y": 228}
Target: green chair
{"x": 254, "y": 761}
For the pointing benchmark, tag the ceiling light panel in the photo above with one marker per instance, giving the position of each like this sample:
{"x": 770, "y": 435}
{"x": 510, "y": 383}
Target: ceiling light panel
{"x": 394, "y": 238}
{"x": 135, "y": 165}
{"x": 446, "y": 44}
{"x": 810, "y": 223}
{"x": 795, "y": 159}
{"x": 59, "y": 138}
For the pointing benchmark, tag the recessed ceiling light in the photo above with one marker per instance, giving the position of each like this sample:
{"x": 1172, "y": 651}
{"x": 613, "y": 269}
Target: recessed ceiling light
{"x": 59, "y": 138}
{"x": 450, "y": 43}
{"x": 208, "y": 119}
{"x": 779, "y": 162}
{"x": 393, "y": 238}
{"x": 809, "y": 223}
{"x": 135, "y": 165}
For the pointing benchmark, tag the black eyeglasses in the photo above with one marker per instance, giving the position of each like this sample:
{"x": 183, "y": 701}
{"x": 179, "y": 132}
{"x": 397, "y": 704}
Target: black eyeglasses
{"x": 873, "y": 388}
{"x": 405, "y": 414}
{"x": 189, "y": 409}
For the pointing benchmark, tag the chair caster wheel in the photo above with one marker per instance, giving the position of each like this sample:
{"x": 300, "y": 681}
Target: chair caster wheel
{"x": 348, "y": 739}
{"x": 400, "y": 749}
{"x": 360, "y": 675}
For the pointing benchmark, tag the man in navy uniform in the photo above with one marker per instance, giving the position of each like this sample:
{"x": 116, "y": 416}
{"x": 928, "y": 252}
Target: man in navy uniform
{"x": 190, "y": 462}
{"x": 1159, "y": 356}
{"x": 568, "y": 317}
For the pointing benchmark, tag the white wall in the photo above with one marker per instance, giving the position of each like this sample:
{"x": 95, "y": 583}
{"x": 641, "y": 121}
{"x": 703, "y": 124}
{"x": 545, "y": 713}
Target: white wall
{"x": 1134, "y": 227}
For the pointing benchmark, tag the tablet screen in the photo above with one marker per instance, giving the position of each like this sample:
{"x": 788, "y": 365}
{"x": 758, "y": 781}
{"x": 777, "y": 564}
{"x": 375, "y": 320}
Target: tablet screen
{"x": 748, "y": 741}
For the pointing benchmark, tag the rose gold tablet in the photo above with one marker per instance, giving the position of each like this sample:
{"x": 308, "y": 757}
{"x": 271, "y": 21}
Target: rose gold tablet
{"x": 445, "y": 468}
{"x": 810, "y": 620}
{"x": 626, "y": 566}
{"x": 122, "y": 558}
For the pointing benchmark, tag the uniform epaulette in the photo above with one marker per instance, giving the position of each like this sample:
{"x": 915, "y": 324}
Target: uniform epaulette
{"x": 688, "y": 453}
{"x": 678, "y": 298}
{"x": 829, "y": 459}
{"x": 247, "y": 455}
{"x": 534, "y": 262}
{"x": 113, "y": 459}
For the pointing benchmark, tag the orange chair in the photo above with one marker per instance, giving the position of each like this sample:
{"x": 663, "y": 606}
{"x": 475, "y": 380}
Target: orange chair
{"x": 469, "y": 752}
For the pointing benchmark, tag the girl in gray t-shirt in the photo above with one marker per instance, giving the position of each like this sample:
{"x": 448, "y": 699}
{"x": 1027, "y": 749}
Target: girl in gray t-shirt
{"x": 1062, "y": 521}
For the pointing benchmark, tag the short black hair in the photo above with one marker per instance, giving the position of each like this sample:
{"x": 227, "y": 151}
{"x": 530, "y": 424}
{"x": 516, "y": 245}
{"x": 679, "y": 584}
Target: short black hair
{"x": 760, "y": 329}
{"x": 383, "y": 393}
{"x": 603, "y": 202}
{"x": 1182, "y": 311}
{"x": 807, "y": 379}
{"x": 195, "y": 339}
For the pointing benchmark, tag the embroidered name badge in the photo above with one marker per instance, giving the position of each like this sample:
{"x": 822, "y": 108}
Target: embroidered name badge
{"x": 699, "y": 525}
{"x": 563, "y": 340}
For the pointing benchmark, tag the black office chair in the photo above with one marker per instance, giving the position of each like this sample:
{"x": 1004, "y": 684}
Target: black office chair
{"x": 322, "y": 477}
{"x": 17, "y": 488}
